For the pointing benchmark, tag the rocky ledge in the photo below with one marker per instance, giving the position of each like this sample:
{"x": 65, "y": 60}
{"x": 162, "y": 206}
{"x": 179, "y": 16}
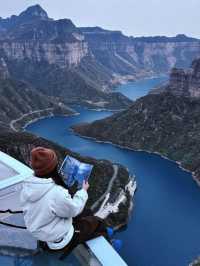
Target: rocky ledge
{"x": 184, "y": 82}
{"x": 195, "y": 263}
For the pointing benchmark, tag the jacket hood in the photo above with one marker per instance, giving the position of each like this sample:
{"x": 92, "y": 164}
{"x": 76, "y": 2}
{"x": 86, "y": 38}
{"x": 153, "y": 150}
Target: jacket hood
{"x": 35, "y": 188}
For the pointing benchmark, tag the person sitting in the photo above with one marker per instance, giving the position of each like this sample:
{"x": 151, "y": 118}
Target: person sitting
{"x": 51, "y": 214}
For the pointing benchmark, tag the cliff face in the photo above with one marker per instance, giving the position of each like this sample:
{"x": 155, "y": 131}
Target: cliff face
{"x": 64, "y": 54}
{"x": 112, "y": 49}
{"x": 161, "y": 54}
{"x": 185, "y": 82}
{"x": 4, "y": 73}
{"x": 140, "y": 56}
{"x": 32, "y": 35}
{"x": 167, "y": 122}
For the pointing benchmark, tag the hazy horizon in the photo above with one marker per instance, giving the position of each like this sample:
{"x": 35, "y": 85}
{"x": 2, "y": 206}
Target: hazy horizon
{"x": 135, "y": 18}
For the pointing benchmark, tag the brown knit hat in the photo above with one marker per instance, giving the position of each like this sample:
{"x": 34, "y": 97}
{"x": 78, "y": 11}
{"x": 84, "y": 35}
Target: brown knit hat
{"x": 43, "y": 161}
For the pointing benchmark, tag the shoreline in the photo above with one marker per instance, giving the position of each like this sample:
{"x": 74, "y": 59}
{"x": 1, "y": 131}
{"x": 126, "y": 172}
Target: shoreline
{"x": 127, "y": 81}
{"x": 99, "y": 109}
{"x": 67, "y": 115}
{"x": 90, "y": 107}
{"x": 179, "y": 164}
{"x": 44, "y": 117}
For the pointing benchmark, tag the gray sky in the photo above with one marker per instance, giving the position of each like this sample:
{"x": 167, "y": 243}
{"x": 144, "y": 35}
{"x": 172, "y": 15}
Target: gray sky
{"x": 133, "y": 17}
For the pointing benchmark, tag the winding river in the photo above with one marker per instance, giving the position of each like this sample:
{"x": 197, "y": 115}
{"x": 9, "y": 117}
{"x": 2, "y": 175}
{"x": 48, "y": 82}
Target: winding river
{"x": 164, "y": 228}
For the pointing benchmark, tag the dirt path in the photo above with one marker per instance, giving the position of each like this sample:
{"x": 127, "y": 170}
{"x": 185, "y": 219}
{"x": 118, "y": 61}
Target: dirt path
{"x": 115, "y": 168}
{"x": 12, "y": 123}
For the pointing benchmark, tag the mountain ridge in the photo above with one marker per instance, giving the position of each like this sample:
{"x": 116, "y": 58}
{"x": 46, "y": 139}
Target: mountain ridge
{"x": 84, "y": 64}
{"x": 35, "y": 46}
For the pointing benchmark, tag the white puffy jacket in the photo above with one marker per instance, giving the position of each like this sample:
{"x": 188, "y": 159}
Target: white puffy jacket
{"x": 49, "y": 209}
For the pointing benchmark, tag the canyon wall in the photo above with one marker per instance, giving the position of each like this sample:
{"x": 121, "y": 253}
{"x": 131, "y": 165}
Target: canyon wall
{"x": 142, "y": 55}
{"x": 185, "y": 82}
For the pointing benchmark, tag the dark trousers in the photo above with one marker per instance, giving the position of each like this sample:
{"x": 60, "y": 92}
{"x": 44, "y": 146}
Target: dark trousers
{"x": 86, "y": 227}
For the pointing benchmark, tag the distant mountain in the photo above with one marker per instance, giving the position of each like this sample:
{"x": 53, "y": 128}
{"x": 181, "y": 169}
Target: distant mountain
{"x": 178, "y": 38}
{"x": 141, "y": 56}
{"x": 167, "y": 122}
{"x": 54, "y": 57}
{"x": 81, "y": 65}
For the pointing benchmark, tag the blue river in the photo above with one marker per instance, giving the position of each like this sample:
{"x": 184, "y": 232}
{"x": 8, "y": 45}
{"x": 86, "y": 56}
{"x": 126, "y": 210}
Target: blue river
{"x": 164, "y": 227}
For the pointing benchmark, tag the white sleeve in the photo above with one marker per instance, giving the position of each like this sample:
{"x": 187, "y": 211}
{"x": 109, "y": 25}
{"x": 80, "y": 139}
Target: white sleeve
{"x": 68, "y": 207}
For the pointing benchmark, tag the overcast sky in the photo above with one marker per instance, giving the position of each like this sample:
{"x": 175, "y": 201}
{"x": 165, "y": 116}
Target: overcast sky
{"x": 133, "y": 17}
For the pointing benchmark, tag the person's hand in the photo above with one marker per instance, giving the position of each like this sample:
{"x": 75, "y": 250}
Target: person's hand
{"x": 85, "y": 185}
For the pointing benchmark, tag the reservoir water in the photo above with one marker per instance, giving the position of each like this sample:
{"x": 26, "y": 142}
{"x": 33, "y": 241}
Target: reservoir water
{"x": 134, "y": 90}
{"x": 164, "y": 227}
